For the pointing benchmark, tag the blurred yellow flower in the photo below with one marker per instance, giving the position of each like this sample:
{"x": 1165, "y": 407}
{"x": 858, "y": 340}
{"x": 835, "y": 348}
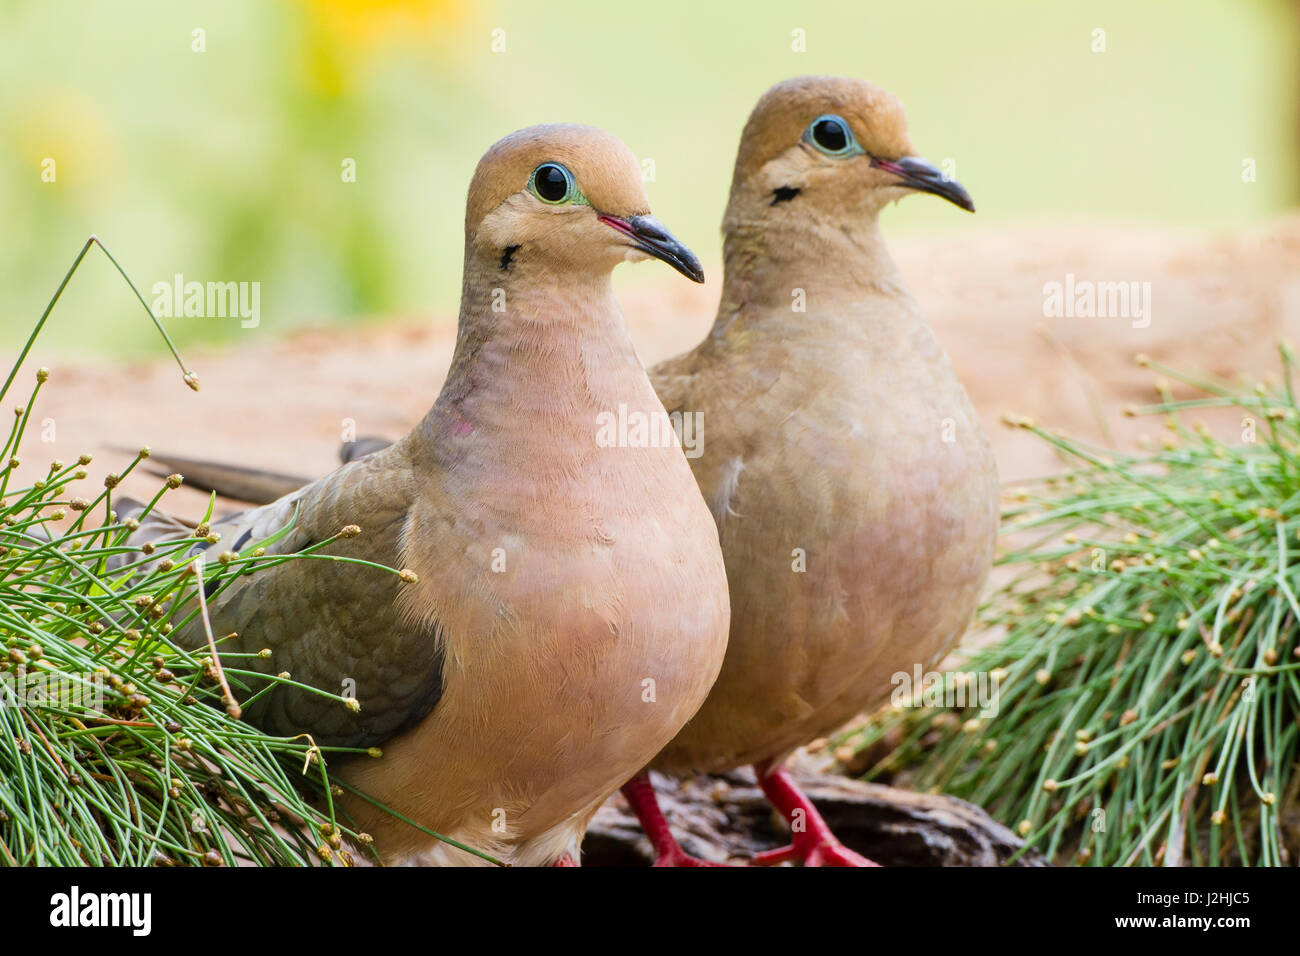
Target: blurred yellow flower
{"x": 341, "y": 30}
{"x": 369, "y": 23}
{"x": 64, "y": 139}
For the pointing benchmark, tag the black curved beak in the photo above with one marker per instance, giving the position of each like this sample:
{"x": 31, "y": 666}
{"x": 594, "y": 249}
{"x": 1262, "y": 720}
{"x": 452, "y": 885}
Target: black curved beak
{"x": 652, "y": 237}
{"x": 918, "y": 173}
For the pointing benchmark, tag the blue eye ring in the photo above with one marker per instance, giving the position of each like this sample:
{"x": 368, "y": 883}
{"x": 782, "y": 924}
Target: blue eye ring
{"x": 545, "y": 188}
{"x": 831, "y": 134}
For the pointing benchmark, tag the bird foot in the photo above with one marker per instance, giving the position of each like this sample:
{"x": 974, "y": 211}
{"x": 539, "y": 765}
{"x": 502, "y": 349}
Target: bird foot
{"x": 811, "y": 842}
{"x": 676, "y": 856}
{"x": 641, "y": 797}
{"x": 826, "y": 851}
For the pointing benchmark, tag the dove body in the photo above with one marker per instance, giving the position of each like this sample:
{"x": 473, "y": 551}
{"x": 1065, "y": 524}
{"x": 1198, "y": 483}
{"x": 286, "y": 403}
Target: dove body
{"x": 562, "y": 609}
{"x": 854, "y": 491}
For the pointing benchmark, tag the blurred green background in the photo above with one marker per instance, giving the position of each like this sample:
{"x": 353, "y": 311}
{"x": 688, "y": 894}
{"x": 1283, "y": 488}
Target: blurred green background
{"x": 225, "y": 165}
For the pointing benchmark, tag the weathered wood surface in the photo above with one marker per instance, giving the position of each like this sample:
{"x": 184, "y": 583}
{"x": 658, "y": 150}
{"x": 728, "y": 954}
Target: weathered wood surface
{"x": 726, "y": 819}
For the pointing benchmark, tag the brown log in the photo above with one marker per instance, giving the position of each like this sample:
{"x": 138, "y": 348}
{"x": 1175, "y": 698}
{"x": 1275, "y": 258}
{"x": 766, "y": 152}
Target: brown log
{"x": 725, "y": 818}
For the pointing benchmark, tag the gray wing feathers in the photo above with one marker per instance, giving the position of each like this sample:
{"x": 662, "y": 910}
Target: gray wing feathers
{"x": 330, "y": 624}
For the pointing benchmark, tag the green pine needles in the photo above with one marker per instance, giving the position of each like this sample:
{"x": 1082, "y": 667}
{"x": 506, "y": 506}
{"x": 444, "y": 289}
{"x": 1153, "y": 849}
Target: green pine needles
{"x": 116, "y": 746}
{"x": 1149, "y": 703}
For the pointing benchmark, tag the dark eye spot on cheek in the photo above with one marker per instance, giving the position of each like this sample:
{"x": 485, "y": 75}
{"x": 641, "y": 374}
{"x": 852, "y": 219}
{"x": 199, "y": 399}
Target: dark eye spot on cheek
{"x": 783, "y": 194}
{"x": 507, "y": 255}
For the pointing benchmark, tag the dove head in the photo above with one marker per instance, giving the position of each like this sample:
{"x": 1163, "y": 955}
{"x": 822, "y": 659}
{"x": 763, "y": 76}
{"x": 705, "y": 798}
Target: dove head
{"x": 565, "y": 198}
{"x": 831, "y": 147}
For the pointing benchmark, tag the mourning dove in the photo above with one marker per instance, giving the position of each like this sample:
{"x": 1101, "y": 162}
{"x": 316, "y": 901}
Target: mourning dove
{"x": 855, "y": 493}
{"x": 565, "y": 609}
{"x": 854, "y": 490}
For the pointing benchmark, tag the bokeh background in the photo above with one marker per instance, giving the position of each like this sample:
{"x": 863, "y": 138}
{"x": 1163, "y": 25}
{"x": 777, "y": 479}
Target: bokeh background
{"x": 226, "y": 164}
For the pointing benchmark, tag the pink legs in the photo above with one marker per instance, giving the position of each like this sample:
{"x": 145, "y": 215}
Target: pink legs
{"x": 640, "y": 793}
{"x": 811, "y": 840}
{"x": 812, "y": 843}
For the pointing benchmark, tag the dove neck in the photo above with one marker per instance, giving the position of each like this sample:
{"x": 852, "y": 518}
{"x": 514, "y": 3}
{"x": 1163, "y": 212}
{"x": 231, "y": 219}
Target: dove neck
{"x": 537, "y": 358}
{"x": 780, "y": 261}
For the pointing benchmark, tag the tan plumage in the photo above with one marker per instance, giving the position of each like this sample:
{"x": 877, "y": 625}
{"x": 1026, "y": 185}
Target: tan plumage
{"x": 555, "y": 576}
{"x": 840, "y": 433}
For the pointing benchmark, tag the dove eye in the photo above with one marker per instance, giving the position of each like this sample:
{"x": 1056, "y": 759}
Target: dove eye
{"x": 832, "y": 136}
{"x": 552, "y": 183}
